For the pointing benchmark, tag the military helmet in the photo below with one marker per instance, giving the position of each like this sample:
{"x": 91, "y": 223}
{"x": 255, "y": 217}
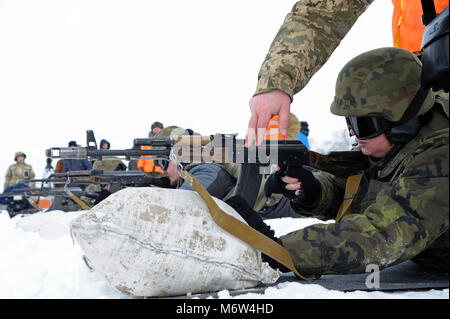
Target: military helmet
{"x": 157, "y": 124}
{"x": 171, "y": 131}
{"x": 167, "y": 132}
{"x": 382, "y": 83}
{"x": 293, "y": 127}
{"x": 19, "y": 154}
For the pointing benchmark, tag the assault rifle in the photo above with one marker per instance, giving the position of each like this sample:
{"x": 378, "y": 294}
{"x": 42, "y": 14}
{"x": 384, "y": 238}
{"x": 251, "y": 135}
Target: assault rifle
{"x": 222, "y": 149}
{"x": 226, "y": 149}
{"x": 20, "y": 200}
{"x": 116, "y": 180}
{"x": 44, "y": 192}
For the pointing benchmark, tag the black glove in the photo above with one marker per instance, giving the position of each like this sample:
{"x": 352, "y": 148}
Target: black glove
{"x": 252, "y": 218}
{"x": 163, "y": 182}
{"x": 121, "y": 167}
{"x": 255, "y": 221}
{"x": 104, "y": 193}
{"x": 309, "y": 191}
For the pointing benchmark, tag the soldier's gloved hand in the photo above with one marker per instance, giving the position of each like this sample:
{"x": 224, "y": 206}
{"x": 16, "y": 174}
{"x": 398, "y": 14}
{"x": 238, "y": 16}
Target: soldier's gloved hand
{"x": 104, "y": 193}
{"x": 252, "y": 218}
{"x": 297, "y": 184}
{"x": 255, "y": 221}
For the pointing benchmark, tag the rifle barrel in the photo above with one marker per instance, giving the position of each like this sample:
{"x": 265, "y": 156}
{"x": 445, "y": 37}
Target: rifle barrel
{"x": 82, "y": 152}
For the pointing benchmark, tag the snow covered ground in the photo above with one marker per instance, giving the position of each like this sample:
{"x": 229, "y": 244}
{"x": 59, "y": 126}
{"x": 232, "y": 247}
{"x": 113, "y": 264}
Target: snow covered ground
{"x": 39, "y": 260}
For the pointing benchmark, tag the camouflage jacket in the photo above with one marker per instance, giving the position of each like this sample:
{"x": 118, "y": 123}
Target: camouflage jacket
{"x": 109, "y": 163}
{"x": 401, "y": 211}
{"x": 305, "y": 41}
{"x": 18, "y": 172}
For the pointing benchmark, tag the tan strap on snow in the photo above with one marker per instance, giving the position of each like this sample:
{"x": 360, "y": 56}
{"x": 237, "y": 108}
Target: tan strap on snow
{"x": 77, "y": 200}
{"x": 351, "y": 188}
{"x": 242, "y": 231}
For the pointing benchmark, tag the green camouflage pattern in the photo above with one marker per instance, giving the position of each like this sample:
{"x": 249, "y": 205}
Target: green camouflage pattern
{"x": 305, "y": 41}
{"x": 380, "y": 82}
{"x": 171, "y": 131}
{"x": 18, "y": 172}
{"x": 401, "y": 211}
{"x": 109, "y": 163}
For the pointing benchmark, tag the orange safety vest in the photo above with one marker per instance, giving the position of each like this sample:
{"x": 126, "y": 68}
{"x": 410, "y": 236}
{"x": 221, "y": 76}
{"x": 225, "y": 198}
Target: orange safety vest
{"x": 272, "y": 131}
{"x": 146, "y": 164}
{"x": 407, "y": 27}
{"x": 44, "y": 203}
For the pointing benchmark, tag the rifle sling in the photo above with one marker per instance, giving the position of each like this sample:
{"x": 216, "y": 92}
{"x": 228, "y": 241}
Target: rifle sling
{"x": 341, "y": 163}
{"x": 77, "y": 200}
{"x": 32, "y": 203}
{"x": 351, "y": 188}
{"x": 241, "y": 230}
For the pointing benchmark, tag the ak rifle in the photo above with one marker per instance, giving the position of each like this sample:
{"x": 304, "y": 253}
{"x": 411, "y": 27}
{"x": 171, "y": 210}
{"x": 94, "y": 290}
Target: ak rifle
{"x": 18, "y": 194}
{"x": 116, "y": 180}
{"x": 223, "y": 149}
{"x": 27, "y": 194}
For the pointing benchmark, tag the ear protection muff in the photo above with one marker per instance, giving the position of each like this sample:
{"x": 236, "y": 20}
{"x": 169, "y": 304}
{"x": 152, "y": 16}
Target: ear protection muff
{"x": 403, "y": 133}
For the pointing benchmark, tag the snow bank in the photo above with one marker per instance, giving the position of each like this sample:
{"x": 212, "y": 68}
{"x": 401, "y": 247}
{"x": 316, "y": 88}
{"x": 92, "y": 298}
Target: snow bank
{"x": 40, "y": 260}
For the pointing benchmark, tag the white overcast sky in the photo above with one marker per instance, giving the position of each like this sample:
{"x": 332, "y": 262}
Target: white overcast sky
{"x": 113, "y": 66}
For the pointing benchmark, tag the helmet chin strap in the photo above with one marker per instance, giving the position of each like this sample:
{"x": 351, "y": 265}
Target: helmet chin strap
{"x": 407, "y": 127}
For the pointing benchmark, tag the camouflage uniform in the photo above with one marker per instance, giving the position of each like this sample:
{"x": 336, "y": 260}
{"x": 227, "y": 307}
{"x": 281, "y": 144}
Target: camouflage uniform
{"x": 305, "y": 41}
{"x": 109, "y": 163}
{"x": 18, "y": 172}
{"x": 401, "y": 209}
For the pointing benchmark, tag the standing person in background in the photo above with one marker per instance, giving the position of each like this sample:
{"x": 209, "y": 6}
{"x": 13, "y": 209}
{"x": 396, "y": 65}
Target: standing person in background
{"x": 48, "y": 170}
{"x": 145, "y": 163}
{"x": 59, "y": 168}
{"x": 155, "y": 128}
{"x": 18, "y": 171}
{"x": 76, "y": 165}
{"x": 108, "y": 163}
{"x": 303, "y": 134}
{"x": 309, "y": 35}
{"x": 105, "y": 145}
{"x": 273, "y": 129}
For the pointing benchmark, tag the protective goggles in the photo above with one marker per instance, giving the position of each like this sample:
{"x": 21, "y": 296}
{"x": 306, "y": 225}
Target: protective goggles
{"x": 366, "y": 127}
{"x": 164, "y": 164}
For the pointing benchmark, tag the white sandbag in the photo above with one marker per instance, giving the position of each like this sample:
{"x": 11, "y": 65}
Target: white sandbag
{"x": 160, "y": 242}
